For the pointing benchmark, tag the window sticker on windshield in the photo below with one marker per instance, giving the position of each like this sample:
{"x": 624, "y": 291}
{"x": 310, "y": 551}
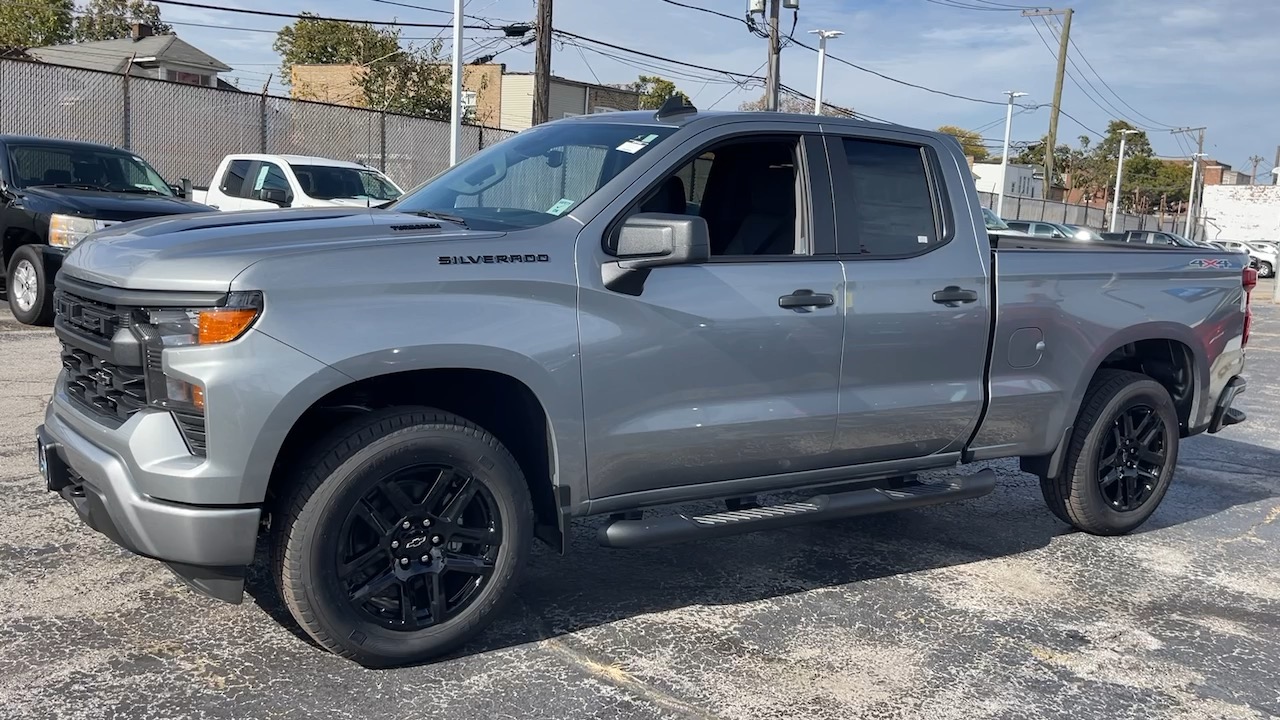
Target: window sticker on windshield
{"x": 636, "y": 144}
{"x": 560, "y": 207}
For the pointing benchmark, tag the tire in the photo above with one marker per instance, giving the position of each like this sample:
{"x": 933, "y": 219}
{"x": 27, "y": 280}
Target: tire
{"x": 344, "y": 496}
{"x": 1265, "y": 270}
{"x": 1129, "y": 495}
{"x": 30, "y": 295}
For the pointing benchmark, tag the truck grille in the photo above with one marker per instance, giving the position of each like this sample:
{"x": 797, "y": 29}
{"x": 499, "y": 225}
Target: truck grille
{"x": 110, "y": 391}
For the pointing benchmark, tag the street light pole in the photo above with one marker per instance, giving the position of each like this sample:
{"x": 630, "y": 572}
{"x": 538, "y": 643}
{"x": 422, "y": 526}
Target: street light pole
{"x": 1115, "y": 202}
{"x": 1004, "y": 155}
{"x": 455, "y": 113}
{"x": 1191, "y": 197}
{"x": 822, "y": 61}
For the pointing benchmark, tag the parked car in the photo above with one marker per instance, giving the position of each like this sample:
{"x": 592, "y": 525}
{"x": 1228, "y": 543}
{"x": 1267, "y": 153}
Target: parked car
{"x": 260, "y": 182}
{"x": 406, "y": 398}
{"x": 997, "y": 226}
{"x": 1041, "y": 228}
{"x": 1082, "y": 232}
{"x": 54, "y": 193}
{"x": 1263, "y": 254}
{"x": 1160, "y": 238}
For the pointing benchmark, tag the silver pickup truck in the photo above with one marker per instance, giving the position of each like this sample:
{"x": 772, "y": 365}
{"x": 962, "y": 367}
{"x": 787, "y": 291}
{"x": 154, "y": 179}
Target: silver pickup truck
{"x": 598, "y": 317}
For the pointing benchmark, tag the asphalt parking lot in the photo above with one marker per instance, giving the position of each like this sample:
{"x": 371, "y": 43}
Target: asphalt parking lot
{"x": 987, "y": 608}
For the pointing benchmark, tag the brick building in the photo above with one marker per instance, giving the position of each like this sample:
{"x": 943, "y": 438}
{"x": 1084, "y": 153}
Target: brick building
{"x": 496, "y": 98}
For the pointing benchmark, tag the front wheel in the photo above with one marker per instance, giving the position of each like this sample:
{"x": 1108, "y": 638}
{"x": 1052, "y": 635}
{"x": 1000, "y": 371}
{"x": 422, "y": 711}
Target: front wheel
{"x": 403, "y": 537}
{"x": 1120, "y": 462}
{"x": 1265, "y": 270}
{"x": 30, "y": 297}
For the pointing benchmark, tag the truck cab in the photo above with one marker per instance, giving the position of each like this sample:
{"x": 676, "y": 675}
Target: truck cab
{"x": 267, "y": 182}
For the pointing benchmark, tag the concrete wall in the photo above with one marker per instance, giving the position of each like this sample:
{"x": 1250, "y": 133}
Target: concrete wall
{"x": 1241, "y": 212}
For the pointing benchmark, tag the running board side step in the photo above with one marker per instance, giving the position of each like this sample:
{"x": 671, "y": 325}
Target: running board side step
{"x": 667, "y": 529}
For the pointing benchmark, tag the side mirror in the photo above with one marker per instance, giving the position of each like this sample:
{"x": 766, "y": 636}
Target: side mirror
{"x": 649, "y": 240}
{"x": 1056, "y": 234}
{"x": 177, "y": 190}
{"x": 274, "y": 195}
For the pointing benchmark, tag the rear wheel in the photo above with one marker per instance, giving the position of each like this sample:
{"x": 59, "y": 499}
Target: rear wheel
{"x": 403, "y": 538}
{"x": 30, "y": 297}
{"x": 1265, "y": 270}
{"x": 1120, "y": 462}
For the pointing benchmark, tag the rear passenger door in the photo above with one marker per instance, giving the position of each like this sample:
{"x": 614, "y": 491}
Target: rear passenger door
{"x": 916, "y": 297}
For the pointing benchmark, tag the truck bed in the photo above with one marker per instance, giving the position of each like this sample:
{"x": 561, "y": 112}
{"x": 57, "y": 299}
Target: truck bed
{"x": 1060, "y": 311}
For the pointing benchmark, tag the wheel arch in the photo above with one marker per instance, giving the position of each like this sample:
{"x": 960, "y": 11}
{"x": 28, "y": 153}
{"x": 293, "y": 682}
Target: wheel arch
{"x": 1163, "y": 351}
{"x": 505, "y": 398}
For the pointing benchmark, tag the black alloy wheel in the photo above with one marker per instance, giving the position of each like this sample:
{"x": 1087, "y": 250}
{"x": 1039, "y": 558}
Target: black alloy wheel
{"x": 419, "y": 547}
{"x": 1132, "y": 458}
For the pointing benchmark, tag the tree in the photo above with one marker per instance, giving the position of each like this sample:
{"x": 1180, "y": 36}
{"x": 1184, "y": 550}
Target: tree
{"x": 110, "y": 19}
{"x": 408, "y": 80}
{"x": 654, "y": 91}
{"x": 969, "y": 140}
{"x": 35, "y": 23}
{"x": 791, "y": 104}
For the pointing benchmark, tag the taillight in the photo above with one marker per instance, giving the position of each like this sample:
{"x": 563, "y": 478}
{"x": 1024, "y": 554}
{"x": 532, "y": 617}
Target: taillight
{"x": 1250, "y": 281}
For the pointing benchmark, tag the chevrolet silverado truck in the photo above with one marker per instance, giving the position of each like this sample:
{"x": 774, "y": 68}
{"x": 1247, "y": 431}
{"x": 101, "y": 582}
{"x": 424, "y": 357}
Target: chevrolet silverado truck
{"x": 797, "y": 317}
{"x": 54, "y": 193}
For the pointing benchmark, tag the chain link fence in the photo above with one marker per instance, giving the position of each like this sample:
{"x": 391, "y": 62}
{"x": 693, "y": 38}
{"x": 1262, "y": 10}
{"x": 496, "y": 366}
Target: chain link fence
{"x": 1021, "y": 208}
{"x": 184, "y": 130}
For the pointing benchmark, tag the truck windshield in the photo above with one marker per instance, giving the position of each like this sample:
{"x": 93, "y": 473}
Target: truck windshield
{"x": 84, "y": 167}
{"x": 327, "y": 182}
{"x": 534, "y": 177}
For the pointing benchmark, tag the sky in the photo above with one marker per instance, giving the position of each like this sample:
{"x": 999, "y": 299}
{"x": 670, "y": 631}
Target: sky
{"x": 1158, "y": 64}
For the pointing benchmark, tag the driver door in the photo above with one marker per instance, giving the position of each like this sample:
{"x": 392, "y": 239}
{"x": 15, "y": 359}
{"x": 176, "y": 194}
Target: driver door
{"x": 262, "y": 176}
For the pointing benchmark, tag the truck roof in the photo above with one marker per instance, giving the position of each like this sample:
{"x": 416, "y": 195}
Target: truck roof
{"x": 299, "y": 160}
{"x": 716, "y": 117}
{"x": 54, "y": 142}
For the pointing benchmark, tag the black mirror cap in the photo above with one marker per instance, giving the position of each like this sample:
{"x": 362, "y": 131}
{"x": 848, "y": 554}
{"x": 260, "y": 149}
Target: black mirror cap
{"x": 275, "y": 195}
{"x": 655, "y": 239}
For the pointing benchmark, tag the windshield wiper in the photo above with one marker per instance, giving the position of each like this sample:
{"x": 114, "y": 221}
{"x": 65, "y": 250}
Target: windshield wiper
{"x": 75, "y": 186}
{"x": 437, "y": 215}
{"x": 140, "y": 191}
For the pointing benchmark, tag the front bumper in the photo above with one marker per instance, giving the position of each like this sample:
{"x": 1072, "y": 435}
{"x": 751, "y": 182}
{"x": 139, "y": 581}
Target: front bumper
{"x": 207, "y": 547}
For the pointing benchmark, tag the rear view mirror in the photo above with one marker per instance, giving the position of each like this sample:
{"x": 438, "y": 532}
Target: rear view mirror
{"x": 649, "y": 240}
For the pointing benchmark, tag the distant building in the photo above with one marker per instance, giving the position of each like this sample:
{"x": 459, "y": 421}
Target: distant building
{"x": 143, "y": 54}
{"x": 1216, "y": 173}
{"x": 494, "y": 96}
{"x": 1019, "y": 181}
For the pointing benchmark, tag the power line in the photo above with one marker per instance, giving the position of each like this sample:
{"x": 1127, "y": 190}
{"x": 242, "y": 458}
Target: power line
{"x": 965, "y": 6}
{"x": 268, "y": 13}
{"x": 1074, "y": 81}
{"x": 1113, "y": 92}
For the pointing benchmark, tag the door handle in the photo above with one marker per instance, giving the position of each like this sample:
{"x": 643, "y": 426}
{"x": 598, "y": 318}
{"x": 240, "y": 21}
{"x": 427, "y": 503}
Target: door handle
{"x": 806, "y": 298}
{"x": 952, "y": 296}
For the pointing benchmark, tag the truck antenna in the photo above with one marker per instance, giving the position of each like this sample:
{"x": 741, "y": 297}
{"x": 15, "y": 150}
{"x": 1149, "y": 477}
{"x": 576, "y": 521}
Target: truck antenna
{"x": 674, "y": 106}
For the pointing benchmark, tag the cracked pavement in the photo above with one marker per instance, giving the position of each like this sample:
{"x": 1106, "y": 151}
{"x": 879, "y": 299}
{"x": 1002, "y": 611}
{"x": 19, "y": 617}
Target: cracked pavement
{"x": 985, "y": 608}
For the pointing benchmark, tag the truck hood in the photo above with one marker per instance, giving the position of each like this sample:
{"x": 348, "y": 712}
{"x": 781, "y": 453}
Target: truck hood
{"x": 112, "y": 205}
{"x": 208, "y": 250}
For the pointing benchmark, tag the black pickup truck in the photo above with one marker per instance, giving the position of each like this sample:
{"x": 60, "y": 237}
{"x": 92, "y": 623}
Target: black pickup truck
{"x": 55, "y": 192}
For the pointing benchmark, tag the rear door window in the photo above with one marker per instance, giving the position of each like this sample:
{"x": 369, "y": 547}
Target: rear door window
{"x": 885, "y": 199}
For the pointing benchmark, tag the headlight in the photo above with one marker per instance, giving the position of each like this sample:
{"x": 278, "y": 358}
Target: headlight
{"x": 207, "y": 326}
{"x": 179, "y": 327}
{"x": 67, "y": 230}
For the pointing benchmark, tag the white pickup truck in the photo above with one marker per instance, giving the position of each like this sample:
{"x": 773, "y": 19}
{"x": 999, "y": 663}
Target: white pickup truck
{"x": 263, "y": 182}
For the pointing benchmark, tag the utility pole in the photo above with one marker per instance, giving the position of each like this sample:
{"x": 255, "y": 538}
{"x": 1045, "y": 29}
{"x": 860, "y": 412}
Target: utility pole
{"x": 1275, "y": 179}
{"x": 1115, "y": 205}
{"x": 1195, "y": 163}
{"x": 542, "y": 64}
{"x": 772, "y": 80}
{"x": 455, "y": 112}
{"x": 1063, "y": 39}
{"x": 1004, "y": 154}
{"x": 1191, "y": 200}
{"x": 823, "y": 36}
{"x": 1253, "y": 175}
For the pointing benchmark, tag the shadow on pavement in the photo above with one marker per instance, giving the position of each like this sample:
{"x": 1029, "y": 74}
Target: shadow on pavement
{"x": 593, "y": 585}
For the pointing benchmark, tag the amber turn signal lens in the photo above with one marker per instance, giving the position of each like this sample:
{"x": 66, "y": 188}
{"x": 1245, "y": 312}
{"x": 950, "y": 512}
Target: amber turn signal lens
{"x": 221, "y": 325}
{"x": 197, "y": 397}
